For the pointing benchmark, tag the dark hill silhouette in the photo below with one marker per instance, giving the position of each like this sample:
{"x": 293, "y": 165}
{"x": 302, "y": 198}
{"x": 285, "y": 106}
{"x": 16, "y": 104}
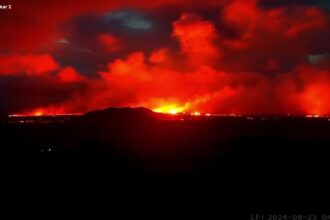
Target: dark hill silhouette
{"x": 121, "y": 114}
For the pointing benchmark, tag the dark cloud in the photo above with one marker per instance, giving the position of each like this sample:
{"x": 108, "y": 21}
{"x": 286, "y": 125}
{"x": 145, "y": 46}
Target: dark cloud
{"x": 137, "y": 31}
{"x": 280, "y": 3}
{"x": 129, "y": 19}
{"x": 23, "y": 92}
{"x": 33, "y": 24}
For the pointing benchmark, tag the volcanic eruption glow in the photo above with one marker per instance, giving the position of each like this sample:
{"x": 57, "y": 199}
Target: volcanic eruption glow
{"x": 170, "y": 109}
{"x": 42, "y": 112}
{"x": 221, "y": 57}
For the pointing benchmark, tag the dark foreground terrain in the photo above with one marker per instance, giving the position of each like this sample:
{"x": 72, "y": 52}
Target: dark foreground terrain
{"x": 257, "y": 162}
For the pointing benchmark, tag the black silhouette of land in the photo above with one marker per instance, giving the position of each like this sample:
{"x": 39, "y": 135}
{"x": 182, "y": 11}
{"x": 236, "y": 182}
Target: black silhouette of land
{"x": 258, "y": 155}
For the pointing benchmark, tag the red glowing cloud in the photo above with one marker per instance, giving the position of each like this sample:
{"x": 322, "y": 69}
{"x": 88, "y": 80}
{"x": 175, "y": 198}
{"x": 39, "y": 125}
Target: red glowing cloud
{"x": 314, "y": 98}
{"x": 233, "y": 57}
{"x": 27, "y": 64}
{"x": 110, "y": 43}
{"x": 70, "y": 75}
{"x": 197, "y": 38}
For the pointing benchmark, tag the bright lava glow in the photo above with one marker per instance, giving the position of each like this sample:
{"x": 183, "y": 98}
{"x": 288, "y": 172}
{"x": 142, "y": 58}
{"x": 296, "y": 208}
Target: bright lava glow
{"x": 38, "y": 113}
{"x": 42, "y": 112}
{"x": 43, "y": 115}
{"x": 170, "y": 109}
{"x": 313, "y": 116}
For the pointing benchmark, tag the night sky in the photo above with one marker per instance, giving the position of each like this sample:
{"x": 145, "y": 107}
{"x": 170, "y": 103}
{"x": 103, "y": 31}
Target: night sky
{"x": 229, "y": 57}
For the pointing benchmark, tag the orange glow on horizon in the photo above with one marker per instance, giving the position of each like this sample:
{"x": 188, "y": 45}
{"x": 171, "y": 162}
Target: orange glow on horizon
{"x": 41, "y": 112}
{"x": 315, "y": 99}
{"x": 170, "y": 109}
{"x": 196, "y": 114}
{"x": 174, "y": 109}
{"x": 313, "y": 116}
{"x": 38, "y": 113}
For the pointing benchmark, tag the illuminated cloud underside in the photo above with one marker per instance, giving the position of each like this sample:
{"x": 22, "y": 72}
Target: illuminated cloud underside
{"x": 236, "y": 57}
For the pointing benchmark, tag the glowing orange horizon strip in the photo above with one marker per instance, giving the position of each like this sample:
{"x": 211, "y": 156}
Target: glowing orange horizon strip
{"x": 43, "y": 115}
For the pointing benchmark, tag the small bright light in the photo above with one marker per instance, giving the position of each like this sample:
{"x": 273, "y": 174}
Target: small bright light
{"x": 313, "y": 116}
{"x": 196, "y": 114}
{"x": 173, "y": 112}
{"x": 38, "y": 113}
